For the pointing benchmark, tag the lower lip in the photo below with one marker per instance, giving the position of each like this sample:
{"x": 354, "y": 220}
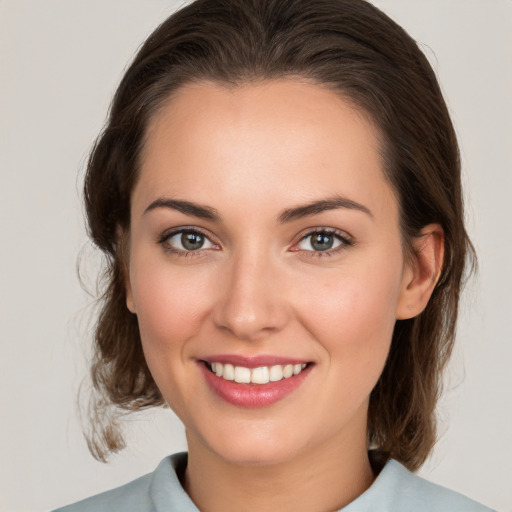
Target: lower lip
{"x": 253, "y": 395}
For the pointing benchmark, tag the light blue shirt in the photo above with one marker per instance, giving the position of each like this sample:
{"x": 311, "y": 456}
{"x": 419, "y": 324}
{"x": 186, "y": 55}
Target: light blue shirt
{"x": 395, "y": 490}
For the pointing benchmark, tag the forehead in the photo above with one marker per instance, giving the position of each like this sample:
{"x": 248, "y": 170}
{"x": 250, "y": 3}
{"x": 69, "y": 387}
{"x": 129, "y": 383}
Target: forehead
{"x": 282, "y": 137}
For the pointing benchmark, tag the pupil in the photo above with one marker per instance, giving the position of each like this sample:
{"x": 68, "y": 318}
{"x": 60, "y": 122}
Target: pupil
{"x": 192, "y": 241}
{"x": 322, "y": 242}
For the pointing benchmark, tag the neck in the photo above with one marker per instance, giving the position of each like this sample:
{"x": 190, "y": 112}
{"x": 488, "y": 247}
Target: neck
{"x": 318, "y": 481}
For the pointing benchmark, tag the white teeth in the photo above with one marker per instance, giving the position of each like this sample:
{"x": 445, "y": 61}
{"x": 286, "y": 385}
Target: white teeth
{"x": 229, "y": 372}
{"x": 242, "y": 375}
{"x": 288, "y": 371}
{"x": 275, "y": 373}
{"x": 260, "y": 375}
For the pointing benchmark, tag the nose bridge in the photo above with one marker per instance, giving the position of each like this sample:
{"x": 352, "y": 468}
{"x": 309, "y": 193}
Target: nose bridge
{"x": 251, "y": 303}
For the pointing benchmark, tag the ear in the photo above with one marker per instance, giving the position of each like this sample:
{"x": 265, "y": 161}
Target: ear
{"x": 123, "y": 253}
{"x": 130, "y": 304}
{"x": 421, "y": 272}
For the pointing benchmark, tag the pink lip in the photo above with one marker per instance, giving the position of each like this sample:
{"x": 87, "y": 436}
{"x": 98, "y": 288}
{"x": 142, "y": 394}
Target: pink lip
{"x": 252, "y": 395}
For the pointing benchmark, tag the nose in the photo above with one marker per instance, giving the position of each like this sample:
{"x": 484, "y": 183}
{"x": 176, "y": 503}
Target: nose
{"x": 251, "y": 302}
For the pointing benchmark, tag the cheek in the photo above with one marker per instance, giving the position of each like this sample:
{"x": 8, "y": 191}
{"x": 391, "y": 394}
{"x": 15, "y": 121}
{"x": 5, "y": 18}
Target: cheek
{"x": 170, "y": 312}
{"x": 165, "y": 294}
{"x": 170, "y": 308}
{"x": 353, "y": 315}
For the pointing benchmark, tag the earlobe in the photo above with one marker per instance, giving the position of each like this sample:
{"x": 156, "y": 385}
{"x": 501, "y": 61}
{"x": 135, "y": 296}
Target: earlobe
{"x": 422, "y": 272}
{"x": 129, "y": 297}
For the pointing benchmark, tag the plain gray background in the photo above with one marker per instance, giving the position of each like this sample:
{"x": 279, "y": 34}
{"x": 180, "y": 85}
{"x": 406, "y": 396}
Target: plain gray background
{"x": 60, "y": 61}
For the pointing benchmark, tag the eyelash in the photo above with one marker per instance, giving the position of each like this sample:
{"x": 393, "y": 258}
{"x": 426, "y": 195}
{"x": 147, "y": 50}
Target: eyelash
{"x": 342, "y": 237}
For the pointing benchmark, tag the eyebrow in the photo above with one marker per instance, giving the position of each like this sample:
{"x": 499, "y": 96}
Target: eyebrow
{"x": 288, "y": 215}
{"x": 323, "y": 205}
{"x": 186, "y": 207}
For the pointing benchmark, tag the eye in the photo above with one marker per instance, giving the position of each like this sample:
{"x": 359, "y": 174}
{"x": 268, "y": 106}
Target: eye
{"x": 186, "y": 240}
{"x": 322, "y": 241}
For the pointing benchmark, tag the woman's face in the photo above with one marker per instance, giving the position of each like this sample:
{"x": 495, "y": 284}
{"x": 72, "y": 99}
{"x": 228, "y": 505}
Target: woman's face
{"x": 265, "y": 243}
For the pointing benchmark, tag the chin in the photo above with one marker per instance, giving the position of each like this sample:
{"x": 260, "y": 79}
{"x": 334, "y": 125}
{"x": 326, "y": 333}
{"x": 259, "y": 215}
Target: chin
{"x": 257, "y": 455}
{"x": 253, "y": 445}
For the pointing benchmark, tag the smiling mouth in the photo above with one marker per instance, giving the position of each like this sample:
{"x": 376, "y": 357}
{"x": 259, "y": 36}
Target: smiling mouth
{"x": 259, "y": 375}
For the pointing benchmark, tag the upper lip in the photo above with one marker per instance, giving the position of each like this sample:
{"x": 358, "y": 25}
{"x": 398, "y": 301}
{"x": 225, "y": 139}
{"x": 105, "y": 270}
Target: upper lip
{"x": 253, "y": 361}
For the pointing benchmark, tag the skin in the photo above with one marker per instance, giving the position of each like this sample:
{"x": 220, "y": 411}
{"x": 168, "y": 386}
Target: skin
{"x": 258, "y": 286}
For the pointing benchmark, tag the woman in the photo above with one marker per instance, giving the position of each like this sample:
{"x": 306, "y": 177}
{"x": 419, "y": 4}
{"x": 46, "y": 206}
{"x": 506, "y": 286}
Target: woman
{"x": 278, "y": 194}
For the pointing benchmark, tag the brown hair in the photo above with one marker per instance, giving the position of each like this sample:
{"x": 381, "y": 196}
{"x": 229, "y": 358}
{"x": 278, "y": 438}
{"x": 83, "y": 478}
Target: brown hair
{"x": 356, "y": 50}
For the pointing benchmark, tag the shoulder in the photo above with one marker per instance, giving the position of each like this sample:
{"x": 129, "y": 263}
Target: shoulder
{"x": 396, "y": 489}
{"x": 433, "y": 497}
{"x": 143, "y": 494}
{"x": 131, "y": 496}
